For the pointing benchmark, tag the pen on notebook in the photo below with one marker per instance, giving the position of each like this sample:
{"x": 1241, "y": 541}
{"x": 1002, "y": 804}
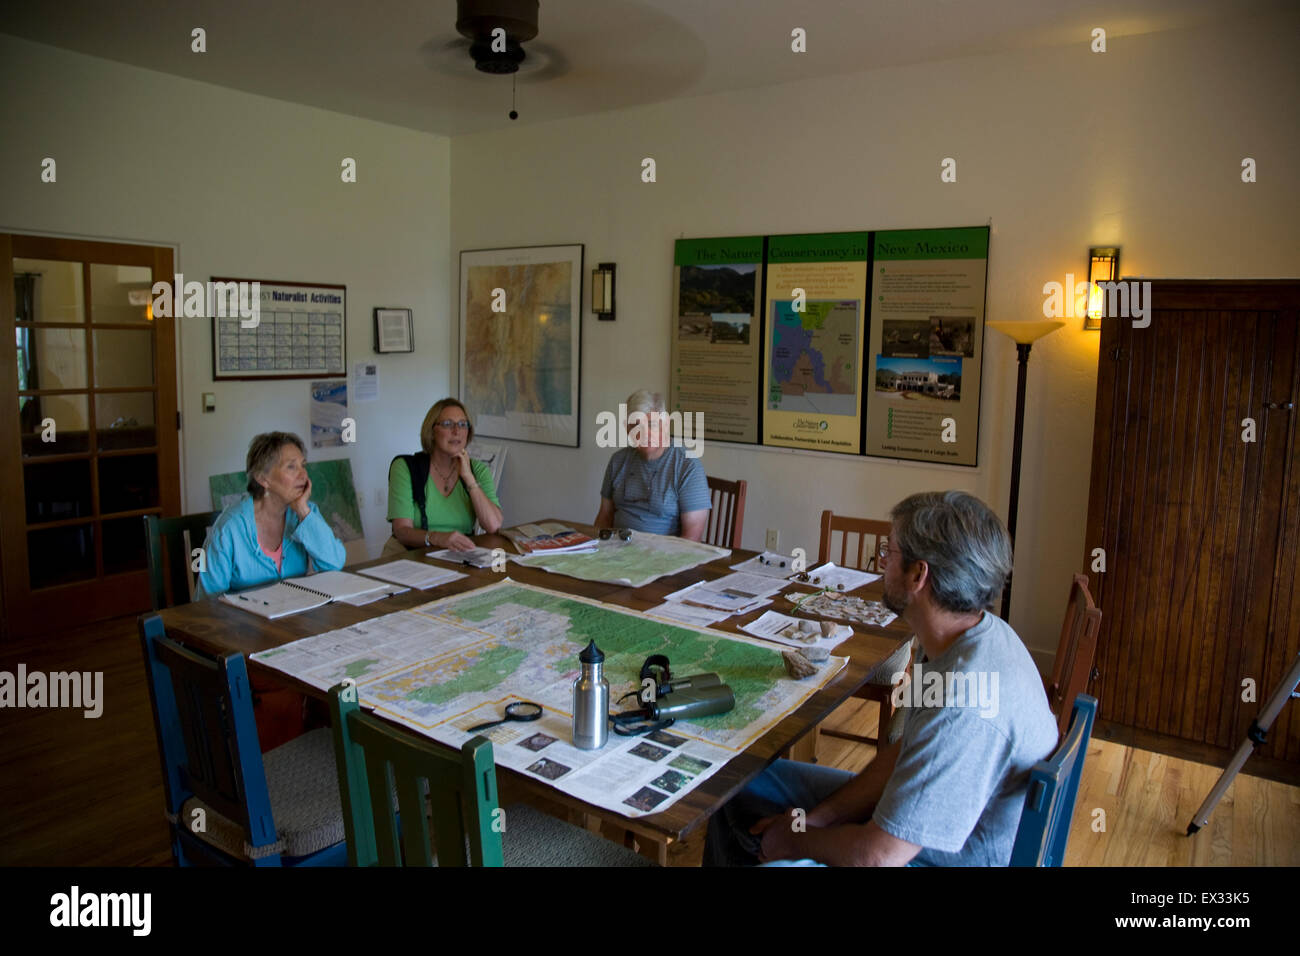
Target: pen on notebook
{"x": 242, "y": 598}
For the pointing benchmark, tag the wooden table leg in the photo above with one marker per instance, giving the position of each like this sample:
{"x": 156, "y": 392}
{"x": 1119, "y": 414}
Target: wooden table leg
{"x": 805, "y": 748}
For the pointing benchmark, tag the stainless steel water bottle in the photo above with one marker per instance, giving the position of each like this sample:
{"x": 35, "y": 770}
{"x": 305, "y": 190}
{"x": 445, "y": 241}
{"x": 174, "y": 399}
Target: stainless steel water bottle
{"x": 591, "y": 701}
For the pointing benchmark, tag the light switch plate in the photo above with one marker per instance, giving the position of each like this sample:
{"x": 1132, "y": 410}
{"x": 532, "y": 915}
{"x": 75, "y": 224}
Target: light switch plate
{"x": 209, "y": 401}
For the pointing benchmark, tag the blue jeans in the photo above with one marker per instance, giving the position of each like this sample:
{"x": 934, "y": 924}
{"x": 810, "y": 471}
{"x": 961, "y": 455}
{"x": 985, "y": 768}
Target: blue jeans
{"x": 785, "y": 784}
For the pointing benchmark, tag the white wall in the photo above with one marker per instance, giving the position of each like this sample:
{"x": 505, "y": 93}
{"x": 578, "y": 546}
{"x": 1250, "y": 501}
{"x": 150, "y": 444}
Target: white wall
{"x": 1064, "y": 149}
{"x": 243, "y": 186}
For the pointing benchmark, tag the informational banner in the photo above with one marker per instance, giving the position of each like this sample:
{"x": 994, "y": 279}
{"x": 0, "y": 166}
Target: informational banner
{"x": 927, "y": 344}
{"x": 715, "y": 350}
{"x": 814, "y": 323}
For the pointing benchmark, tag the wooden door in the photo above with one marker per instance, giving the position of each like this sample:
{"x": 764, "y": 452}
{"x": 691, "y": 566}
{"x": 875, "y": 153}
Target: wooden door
{"x": 89, "y": 442}
{"x": 1198, "y": 524}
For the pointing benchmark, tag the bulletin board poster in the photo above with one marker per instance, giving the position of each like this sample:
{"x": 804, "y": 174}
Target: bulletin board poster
{"x": 813, "y": 328}
{"x": 927, "y": 344}
{"x": 717, "y": 285}
{"x": 300, "y": 332}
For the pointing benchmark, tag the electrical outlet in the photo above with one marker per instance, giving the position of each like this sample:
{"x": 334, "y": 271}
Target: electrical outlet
{"x": 379, "y": 497}
{"x": 773, "y": 540}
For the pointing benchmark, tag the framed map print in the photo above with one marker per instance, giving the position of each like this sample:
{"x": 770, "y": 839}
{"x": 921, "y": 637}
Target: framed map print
{"x": 520, "y": 336}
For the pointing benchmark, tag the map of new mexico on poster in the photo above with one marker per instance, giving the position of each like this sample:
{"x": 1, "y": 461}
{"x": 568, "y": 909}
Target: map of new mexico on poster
{"x": 521, "y": 313}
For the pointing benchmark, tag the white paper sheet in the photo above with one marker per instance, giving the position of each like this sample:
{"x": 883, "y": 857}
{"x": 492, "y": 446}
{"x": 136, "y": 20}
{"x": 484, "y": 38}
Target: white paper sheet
{"x": 830, "y": 576}
{"x": 689, "y": 613}
{"x": 413, "y": 574}
{"x": 475, "y": 557}
{"x": 361, "y": 600}
{"x": 365, "y": 381}
{"x": 784, "y": 629}
{"x": 769, "y": 564}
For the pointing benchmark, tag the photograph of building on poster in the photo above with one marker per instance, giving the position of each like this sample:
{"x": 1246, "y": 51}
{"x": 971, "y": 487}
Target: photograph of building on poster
{"x": 919, "y": 381}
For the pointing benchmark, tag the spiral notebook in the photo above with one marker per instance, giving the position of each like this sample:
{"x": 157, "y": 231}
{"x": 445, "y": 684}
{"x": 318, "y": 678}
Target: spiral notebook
{"x": 302, "y": 594}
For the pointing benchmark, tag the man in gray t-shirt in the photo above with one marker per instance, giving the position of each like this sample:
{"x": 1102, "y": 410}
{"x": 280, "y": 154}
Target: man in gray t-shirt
{"x": 653, "y": 485}
{"x": 958, "y": 783}
{"x": 976, "y": 720}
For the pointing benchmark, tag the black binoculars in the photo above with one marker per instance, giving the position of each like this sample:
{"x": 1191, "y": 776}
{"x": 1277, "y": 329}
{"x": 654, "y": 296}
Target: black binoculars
{"x": 696, "y": 696}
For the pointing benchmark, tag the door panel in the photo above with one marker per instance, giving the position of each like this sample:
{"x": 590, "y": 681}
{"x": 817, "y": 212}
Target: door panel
{"x": 1200, "y": 527}
{"x": 87, "y": 428}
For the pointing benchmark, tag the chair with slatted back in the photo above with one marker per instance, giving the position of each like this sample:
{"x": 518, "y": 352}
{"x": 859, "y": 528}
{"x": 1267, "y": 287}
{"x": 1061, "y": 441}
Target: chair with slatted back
{"x": 727, "y": 516}
{"x": 169, "y": 546}
{"x": 868, "y": 537}
{"x": 1053, "y": 788}
{"x": 375, "y": 760}
{"x": 227, "y": 802}
{"x": 1075, "y": 652}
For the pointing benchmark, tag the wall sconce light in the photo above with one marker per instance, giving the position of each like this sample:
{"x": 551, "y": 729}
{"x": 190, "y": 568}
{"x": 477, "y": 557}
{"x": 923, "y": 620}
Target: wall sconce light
{"x": 602, "y": 291}
{"x": 1103, "y": 266}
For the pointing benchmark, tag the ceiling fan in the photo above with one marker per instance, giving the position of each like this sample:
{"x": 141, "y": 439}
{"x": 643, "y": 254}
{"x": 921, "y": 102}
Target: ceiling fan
{"x": 496, "y": 31}
{"x": 491, "y": 38}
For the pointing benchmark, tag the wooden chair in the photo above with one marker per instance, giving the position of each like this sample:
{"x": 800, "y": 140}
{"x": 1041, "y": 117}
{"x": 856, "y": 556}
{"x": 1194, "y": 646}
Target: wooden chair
{"x": 169, "y": 544}
{"x": 727, "y": 516}
{"x": 374, "y": 759}
{"x": 1053, "y": 787}
{"x": 227, "y": 803}
{"x": 1072, "y": 669}
{"x": 870, "y": 536}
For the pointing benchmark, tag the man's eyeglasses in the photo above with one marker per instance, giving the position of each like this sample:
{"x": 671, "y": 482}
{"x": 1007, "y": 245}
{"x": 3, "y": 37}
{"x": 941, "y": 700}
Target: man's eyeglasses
{"x": 621, "y": 533}
{"x": 463, "y": 424}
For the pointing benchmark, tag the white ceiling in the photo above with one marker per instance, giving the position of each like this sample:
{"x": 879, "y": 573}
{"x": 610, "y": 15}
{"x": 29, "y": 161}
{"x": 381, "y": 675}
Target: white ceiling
{"x": 387, "y": 59}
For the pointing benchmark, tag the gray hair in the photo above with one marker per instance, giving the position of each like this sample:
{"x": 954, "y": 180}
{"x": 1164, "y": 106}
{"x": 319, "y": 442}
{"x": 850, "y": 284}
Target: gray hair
{"x": 962, "y": 541}
{"x": 264, "y": 454}
{"x": 644, "y": 400}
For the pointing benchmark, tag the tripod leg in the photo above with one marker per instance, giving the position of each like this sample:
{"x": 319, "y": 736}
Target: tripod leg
{"x": 1256, "y": 735}
{"x": 1202, "y": 815}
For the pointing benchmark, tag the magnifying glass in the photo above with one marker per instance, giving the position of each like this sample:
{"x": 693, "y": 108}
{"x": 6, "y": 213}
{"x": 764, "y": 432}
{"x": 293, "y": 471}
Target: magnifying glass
{"x": 520, "y": 710}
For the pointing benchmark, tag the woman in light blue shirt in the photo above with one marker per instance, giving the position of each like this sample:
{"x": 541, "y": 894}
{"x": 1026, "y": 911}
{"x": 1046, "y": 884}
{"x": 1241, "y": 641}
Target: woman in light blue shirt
{"x": 273, "y": 530}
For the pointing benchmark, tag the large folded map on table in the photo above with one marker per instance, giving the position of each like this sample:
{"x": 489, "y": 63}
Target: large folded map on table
{"x": 635, "y": 563}
{"x": 448, "y": 665}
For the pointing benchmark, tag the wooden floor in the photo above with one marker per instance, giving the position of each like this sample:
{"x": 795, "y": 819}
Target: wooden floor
{"x": 78, "y": 791}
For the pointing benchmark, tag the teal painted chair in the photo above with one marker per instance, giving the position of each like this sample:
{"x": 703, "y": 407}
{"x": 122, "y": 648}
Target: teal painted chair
{"x": 1053, "y": 787}
{"x": 227, "y": 802}
{"x": 169, "y": 544}
{"x": 376, "y": 760}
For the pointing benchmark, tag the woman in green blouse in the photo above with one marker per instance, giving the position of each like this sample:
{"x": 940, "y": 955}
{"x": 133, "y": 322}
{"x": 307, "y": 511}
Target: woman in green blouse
{"x": 457, "y": 492}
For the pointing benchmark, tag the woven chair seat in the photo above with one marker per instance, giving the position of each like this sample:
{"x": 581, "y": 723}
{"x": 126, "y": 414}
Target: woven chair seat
{"x": 304, "y": 791}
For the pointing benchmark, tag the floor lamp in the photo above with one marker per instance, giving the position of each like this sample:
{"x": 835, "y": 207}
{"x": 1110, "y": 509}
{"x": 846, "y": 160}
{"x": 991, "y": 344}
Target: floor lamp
{"x": 1024, "y": 334}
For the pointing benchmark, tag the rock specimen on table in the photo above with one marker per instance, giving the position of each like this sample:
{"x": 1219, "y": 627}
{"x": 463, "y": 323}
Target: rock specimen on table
{"x": 798, "y": 666}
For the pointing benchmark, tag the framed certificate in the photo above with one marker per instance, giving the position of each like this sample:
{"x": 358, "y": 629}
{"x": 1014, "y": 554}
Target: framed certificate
{"x": 393, "y": 331}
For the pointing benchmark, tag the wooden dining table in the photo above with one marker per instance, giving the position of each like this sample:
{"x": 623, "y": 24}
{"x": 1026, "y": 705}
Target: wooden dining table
{"x": 220, "y": 628}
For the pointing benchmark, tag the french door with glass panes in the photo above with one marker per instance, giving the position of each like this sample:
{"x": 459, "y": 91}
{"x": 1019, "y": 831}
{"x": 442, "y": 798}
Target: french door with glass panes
{"x": 88, "y": 440}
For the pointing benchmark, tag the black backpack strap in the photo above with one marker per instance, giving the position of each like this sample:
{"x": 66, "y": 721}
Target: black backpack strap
{"x": 418, "y": 466}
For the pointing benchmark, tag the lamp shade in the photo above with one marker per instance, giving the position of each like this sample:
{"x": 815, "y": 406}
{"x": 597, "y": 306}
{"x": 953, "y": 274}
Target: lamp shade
{"x": 1025, "y": 333}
